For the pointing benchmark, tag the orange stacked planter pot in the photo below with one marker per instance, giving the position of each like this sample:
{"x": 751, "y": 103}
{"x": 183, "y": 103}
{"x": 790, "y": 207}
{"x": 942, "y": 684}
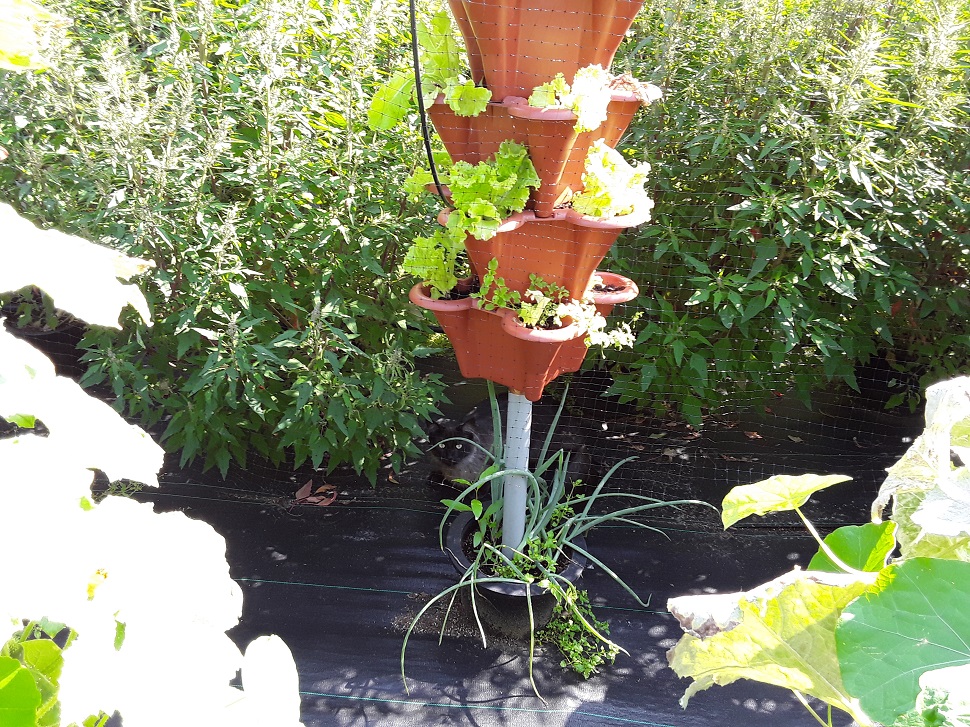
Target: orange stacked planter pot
{"x": 563, "y": 249}
{"x": 494, "y": 345}
{"x": 514, "y": 46}
{"x": 557, "y": 150}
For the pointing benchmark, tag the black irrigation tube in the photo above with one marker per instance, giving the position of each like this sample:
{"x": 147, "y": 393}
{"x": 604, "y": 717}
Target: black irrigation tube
{"x": 420, "y": 98}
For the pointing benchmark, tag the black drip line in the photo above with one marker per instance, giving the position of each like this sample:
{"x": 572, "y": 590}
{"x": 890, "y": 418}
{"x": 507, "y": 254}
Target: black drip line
{"x": 421, "y": 113}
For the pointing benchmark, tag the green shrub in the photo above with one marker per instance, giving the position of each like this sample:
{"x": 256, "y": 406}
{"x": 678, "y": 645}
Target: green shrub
{"x": 812, "y": 199}
{"x": 227, "y": 142}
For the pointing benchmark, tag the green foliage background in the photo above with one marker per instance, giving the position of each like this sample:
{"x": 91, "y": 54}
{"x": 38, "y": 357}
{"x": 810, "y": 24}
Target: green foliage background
{"x": 810, "y": 172}
{"x": 226, "y": 141}
{"x": 809, "y": 167}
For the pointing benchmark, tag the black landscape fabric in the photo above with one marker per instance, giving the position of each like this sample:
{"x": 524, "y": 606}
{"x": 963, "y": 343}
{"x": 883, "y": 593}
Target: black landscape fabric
{"x": 340, "y": 583}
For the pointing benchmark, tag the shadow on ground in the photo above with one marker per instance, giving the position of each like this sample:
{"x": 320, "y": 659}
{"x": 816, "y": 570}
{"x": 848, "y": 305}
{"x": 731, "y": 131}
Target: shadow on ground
{"x": 337, "y": 583}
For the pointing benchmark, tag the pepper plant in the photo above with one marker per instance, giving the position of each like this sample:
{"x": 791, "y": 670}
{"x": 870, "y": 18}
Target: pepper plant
{"x": 226, "y": 144}
{"x": 809, "y": 170}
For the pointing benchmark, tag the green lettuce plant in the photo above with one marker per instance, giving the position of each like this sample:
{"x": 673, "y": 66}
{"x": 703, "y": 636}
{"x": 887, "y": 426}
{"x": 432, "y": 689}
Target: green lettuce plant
{"x": 482, "y": 195}
{"x": 883, "y": 637}
{"x": 590, "y": 94}
{"x": 611, "y": 185}
{"x": 441, "y": 72}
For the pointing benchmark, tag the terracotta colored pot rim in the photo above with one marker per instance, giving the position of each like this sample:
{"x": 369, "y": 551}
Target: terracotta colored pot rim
{"x": 514, "y": 327}
{"x": 563, "y": 214}
{"x": 628, "y": 289}
{"x": 519, "y": 107}
{"x": 420, "y": 295}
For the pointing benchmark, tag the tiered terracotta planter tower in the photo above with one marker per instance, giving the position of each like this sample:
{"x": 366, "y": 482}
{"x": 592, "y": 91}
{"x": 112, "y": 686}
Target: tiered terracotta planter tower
{"x": 514, "y": 46}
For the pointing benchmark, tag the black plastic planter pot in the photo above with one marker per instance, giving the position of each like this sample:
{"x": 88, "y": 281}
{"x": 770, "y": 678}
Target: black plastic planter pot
{"x": 503, "y": 607}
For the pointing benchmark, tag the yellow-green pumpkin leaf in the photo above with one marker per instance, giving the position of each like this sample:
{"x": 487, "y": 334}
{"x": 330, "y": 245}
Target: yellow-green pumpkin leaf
{"x": 776, "y": 494}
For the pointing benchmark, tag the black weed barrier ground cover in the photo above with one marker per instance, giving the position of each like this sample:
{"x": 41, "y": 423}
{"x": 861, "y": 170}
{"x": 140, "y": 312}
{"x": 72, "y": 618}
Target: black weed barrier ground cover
{"x": 339, "y": 583}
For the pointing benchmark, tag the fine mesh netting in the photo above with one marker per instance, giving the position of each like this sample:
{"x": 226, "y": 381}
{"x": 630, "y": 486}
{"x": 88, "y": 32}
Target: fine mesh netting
{"x": 713, "y": 242}
{"x": 687, "y": 185}
{"x": 709, "y": 224}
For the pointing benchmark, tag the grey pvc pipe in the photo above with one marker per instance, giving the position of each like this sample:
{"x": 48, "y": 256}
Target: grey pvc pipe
{"x": 518, "y": 434}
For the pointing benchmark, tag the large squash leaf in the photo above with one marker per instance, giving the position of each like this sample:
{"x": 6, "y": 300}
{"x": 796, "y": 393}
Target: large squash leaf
{"x": 19, "y": 697}
{"x": 914, "y": 619}
{"x": 80, "y": 276}
{"x": 927, "y": 462}
{"x": 863, "y": 547}
{"x": 776, "y": 494}
{"x": 783, "y": 633}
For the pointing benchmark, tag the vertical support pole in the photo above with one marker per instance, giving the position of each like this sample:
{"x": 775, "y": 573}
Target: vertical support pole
{"x": 518, "y": 434}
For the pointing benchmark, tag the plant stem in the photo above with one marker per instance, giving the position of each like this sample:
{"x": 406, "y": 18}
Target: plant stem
{"x": 801, "y": 698}
{"x": 826, "y": 549}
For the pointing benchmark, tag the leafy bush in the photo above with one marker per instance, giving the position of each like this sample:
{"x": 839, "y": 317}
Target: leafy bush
{"x": 809, "y": 162}
{"x": 226, "y": 142}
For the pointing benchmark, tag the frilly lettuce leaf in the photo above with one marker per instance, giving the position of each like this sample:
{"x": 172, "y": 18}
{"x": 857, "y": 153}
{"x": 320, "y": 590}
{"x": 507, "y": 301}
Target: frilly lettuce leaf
{"x": 483, "y": 195}
{"x": 416, "y": 185}
{"x": 392, "y": 102}
{"x": 492, "y": 190}
{"x": 440, "y": 60}
{"x": 588, "y": 97}
{"x": 441, "y": 72}
{"x": 611, "y": 186}
{"x": 466, "y": 99}
{"x": 433, "y": 259}
{"x": 480, "y": 220}
{"x": 550, "y": 94}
